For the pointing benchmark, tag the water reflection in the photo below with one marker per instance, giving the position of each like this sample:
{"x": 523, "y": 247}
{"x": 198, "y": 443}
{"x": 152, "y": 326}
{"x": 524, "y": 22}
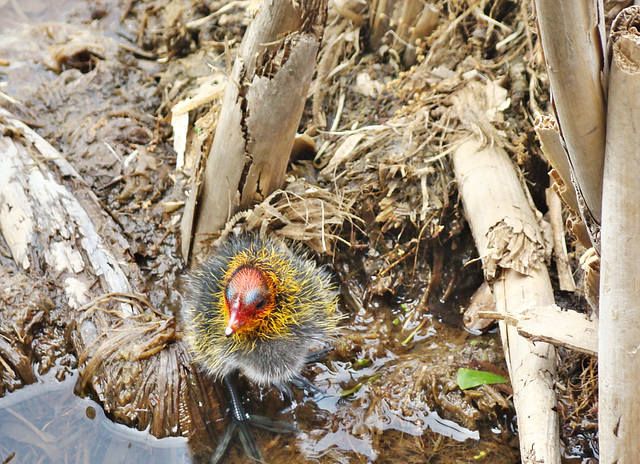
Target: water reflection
{"x": 46, "y": 423}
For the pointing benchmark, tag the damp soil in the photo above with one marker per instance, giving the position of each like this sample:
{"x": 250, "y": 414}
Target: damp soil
{"x": 97, "y": 80}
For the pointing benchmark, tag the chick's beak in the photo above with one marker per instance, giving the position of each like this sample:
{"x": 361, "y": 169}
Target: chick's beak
{"x": 235, "y": 321}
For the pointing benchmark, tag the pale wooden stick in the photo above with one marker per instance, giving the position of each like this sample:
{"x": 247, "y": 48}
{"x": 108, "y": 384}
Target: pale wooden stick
{"x": 552, "y": 324}
{"x": 508, "y": 238}
{"x": 619, "y": 361}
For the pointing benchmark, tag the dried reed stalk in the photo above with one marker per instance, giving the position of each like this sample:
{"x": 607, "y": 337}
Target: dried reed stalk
{"x": 510, "y": 243}
{"x": 565, "y": 276}
{"x": 619, "y": 361}
{"x": 259, "y": 117}
{"x": 553, "y": 148}
{"x": 551, "y": 324}
{"x": 572, "y": 36}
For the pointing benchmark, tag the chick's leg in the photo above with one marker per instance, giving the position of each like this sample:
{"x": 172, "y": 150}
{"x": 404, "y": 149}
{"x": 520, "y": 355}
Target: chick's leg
{"x": 240, "y": 422}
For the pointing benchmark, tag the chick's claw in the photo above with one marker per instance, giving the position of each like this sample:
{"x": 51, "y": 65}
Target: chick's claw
{"x": 305, "y": 385}
{"x": 318, "y": 355}
{"x": 249, "y": 444}
{"x": 271, "y": 425}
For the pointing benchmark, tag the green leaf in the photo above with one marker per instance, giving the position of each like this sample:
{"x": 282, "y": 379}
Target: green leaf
{"x": 359, "y": 363}
{"x": 475, "y": 341}
{"x": 355, "y": 389}
{"x": 352, "y": 391}
{"x": 469, "y": 378}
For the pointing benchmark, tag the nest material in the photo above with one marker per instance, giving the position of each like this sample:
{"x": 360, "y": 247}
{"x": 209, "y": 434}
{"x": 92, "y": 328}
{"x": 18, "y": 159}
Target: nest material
{"x": 143, "y": 372}
{"x": 25, "y": 335}
{"x": 302, "y": 212}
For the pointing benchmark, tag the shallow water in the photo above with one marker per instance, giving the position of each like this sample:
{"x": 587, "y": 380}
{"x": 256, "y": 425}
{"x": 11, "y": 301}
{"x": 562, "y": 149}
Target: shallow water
{"x": 46, "y": 423}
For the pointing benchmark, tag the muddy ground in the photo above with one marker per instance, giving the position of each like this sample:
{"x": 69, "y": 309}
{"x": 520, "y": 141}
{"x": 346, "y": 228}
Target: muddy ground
{"x": 98, "y": 80}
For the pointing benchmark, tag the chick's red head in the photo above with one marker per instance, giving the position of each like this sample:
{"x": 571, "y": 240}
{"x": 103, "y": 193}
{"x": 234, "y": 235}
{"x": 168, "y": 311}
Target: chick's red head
{"x": 247, "y": 297}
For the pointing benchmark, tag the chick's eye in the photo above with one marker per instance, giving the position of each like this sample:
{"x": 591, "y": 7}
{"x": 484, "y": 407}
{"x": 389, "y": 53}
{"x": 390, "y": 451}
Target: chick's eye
{"x": 261, "y": 303}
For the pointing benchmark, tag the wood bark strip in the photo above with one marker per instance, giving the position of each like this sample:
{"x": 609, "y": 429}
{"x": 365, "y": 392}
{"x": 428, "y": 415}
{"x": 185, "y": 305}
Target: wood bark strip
{"x": 572, "y": 36}
{"x": 552, "y": 146}
{"x": 87, "y": 200}
{"x": 45, "y": 226}
{"x": 619, "y": 361}
{"x": 493, "y": 201}
{"x": 259, "y": 118}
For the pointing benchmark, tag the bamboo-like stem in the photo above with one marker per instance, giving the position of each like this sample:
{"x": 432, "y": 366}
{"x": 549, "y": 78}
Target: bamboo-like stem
{"x": 619, "y": 361}
{"x": 508, "y": 238}
{"x": 572, "y": 35}
{"x": 259, "y": 117}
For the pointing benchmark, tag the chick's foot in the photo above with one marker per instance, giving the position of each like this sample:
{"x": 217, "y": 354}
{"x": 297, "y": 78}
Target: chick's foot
{"x": 240, "y": 425}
